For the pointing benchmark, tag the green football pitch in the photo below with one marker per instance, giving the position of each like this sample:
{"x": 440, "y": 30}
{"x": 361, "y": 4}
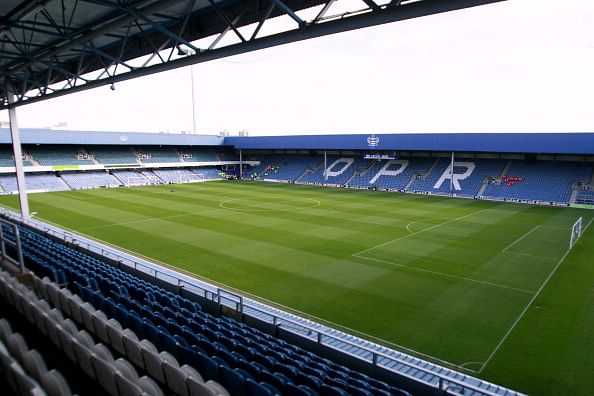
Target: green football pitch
{"x": 488, "y": 288}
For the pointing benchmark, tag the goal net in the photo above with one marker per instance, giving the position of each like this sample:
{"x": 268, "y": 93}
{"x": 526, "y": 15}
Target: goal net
{"x": 576, "y": 232}
{"x": 142, "y": 180}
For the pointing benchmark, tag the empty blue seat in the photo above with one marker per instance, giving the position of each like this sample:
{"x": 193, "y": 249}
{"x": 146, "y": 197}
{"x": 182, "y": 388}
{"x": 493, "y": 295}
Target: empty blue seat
{"x": 327, "y": 390}
{"x": 301, "y": 390}
{"x": 207, "y": 366}
{"x": 232, "y": 380}
{"x": 276, "y": 379}
{"x": 309, "y": 380}
{"x": 355, "y": 391}
{"x": 256, "y": 389}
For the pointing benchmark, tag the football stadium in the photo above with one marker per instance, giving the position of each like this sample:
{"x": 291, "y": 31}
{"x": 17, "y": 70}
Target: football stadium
{"x": 356, "y": 264}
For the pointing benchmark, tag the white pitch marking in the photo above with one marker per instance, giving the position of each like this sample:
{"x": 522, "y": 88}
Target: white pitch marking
{"x": 520, "y": 238}
{"x": 316, "y": 203}
{"x": 421, "y": 220}
{"x": 417, "y": 232}
{"x": 149, "y": 219}
{"x": 464, "y": 278}
{"x": 534, "y": 297}
{"x": 526, "y": 254}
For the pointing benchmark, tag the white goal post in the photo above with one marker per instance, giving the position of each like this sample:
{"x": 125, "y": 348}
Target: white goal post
{"x": 576, "y": 232}
{"x": 142, "y": 180}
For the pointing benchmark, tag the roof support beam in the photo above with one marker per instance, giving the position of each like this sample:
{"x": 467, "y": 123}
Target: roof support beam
{"x": 69, "y": 57}
{"x": 281, "y": 5}
{"x": 227, "y": 21}
{"x": 18, "y": 155}
{"x": 72, "y": 40}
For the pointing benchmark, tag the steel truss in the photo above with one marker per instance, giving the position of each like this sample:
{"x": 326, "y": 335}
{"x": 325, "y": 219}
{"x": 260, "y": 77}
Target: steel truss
{"x": 50, "y": 48}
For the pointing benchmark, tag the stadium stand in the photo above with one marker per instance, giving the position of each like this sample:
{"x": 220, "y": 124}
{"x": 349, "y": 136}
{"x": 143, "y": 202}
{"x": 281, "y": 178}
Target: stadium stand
{"x": 343, "y": 169}
{"x": 207, "y": 173}
{"x": 125, "y": 177}
{"x": 463, "y": 184}
{"x": 585, "y": 197}
{"x": 152, "y": 155}
{"x": 314, "y": 168}
{"x": 363, "y": 175}
{"x": 291, "y": 168}
{"x": 45, "y": 182}
{"x": 195, "y": 154}
{"x": 539, "y": 181}
{"x": 176, "y": 175}
{"x": 112, "y": 155}
{"x": 34, "y": 182}
{"x": 59, "y": 155}
{"x": 90, "y": 179}
{"x": 25, "y": 369}
{"x": 265, "y": 168}
{"x": 242, "y": 359}
{"x": 7, "y": 158}
{"x": 559, "y": 182}
{"x": 226, "y": 156}
{"x": 8, "y": 183}
{"x": 414, "y": 169}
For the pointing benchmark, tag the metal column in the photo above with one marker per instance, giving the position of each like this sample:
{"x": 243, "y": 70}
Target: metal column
{"x": 452, "y": 175}
{"x": 240, "y": 165}
{"x": 18, "y": 155}
{"x": 325, "y": 168}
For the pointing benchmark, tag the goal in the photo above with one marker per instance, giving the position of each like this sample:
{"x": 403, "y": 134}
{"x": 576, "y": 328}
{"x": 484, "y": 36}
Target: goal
{"x": 576, "y": 232}
{"x": 142, "y": 180}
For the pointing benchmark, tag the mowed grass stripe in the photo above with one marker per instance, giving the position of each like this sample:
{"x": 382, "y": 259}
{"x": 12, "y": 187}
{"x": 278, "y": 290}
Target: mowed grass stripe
{"x": 301, "y": 258}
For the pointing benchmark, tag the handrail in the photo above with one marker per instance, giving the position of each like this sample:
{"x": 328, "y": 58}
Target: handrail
{"x": 214, "y": 293}
{"x": 16, "y": 244}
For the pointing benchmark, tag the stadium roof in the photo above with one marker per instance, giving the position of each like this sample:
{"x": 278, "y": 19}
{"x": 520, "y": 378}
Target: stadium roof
{"x": 52, "y": 47}
{"x": 524, "y": 143}
{"x": 527, "y": 143}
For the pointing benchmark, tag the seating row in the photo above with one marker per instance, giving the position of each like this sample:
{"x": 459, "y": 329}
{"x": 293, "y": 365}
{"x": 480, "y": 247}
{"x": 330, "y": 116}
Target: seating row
{"x": 245, "y": 360}
{"x": 118, "y": 376}
{"x": 25, "y": 369}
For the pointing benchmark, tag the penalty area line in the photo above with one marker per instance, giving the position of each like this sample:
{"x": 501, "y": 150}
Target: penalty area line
{"x": 357, "y": 254}
{"x": 463, "y": 278}
{"x": 520, "y": 238}
{"x": 534, "y": 297}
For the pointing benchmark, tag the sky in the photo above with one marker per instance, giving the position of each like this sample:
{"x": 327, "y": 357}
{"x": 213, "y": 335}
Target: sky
{"x": 514, "y": 66}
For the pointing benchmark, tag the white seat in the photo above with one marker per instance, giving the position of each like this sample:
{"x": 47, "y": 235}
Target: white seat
{"x": 67, "y": 340}
{"x": 34, "y": 364}
{"x": 54, "y": 384}
{"x": 86, "y": 311}
{"x": 103, "y": 352}
{"x": 105, "y": 373}
{"x": 152, "y": 361}
{"x": 132, "y": 347}
{"x": 99, "y": 324}
{"x": 5, "y": 329}
{"x": 39, "y": 287}
{"x": 126, "y": 369}
{"x": 56, "y": 315}
{"x": 64, "y": 298}
{"x": 150, "y": 387}
{"x": 53, "y": 330}
{"x": 115, "y": 334}
{"x": 127, "y": 387}
{"x": 218, "y": 389}
{"x": 175, "y": 377}
{"x": 52, "y": 291}
{"x": 82, "y": 344}
{"x": 16, "y": 345}
{"x": 75, "y": 303}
